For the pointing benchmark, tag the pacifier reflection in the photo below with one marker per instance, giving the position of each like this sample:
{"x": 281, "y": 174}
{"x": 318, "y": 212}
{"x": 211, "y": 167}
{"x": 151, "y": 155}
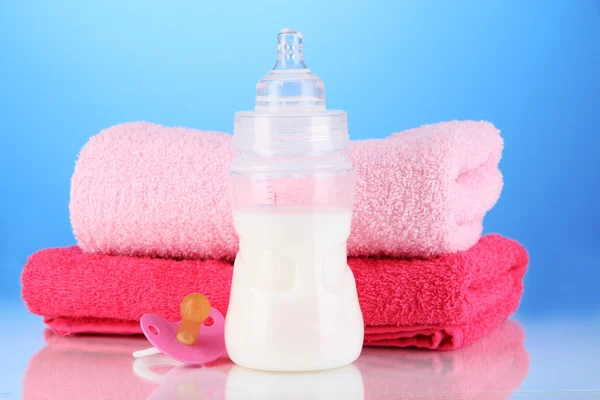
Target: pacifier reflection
{"x": 183, "y": 381}
{"x": 222, "y": 380}
{"x": 100, "y": 367}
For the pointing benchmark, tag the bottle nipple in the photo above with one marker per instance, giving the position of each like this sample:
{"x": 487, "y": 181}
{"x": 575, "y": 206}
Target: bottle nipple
{"x": 195, "y": 309}
{"x": 289, "y": 50}
{"x": 290, "y": 84}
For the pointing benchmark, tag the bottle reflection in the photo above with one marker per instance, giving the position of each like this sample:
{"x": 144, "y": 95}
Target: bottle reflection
{"x": 339, "y": 383}
{"x": 95, "y": 367}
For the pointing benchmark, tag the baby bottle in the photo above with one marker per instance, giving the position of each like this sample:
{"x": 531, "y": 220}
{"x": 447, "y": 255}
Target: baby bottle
{"x": 293, "y": 304}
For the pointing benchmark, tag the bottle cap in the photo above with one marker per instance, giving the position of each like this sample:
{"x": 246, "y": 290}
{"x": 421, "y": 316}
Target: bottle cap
{"x": 290, "y": 117}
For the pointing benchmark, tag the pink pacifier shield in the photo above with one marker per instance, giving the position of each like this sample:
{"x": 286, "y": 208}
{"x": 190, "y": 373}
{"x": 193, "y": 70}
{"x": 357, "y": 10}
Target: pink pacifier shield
{"x": 163, "y": 335}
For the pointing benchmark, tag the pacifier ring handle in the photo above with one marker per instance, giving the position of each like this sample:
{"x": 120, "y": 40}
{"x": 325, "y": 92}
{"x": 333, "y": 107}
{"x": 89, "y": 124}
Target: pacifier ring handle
{"x": 146, "y": 352}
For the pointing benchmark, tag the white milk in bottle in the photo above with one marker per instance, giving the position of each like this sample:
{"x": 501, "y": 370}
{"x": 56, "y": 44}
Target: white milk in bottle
{"x": 293, "y": 304}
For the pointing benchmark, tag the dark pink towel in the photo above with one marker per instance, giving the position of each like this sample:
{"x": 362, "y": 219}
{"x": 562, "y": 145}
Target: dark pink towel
{"x": 437, "y": 303}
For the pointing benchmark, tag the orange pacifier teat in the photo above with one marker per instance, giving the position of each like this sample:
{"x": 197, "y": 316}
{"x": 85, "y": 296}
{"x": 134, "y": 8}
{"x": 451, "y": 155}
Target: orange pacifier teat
{"x": 195, "y": 309}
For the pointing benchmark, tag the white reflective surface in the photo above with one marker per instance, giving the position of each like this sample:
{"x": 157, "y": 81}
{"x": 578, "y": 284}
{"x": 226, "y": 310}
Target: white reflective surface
{"x": 556, "y": 358}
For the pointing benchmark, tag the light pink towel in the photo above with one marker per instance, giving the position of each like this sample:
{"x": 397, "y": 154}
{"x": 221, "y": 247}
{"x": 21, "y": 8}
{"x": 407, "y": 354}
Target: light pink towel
{"x": 144, "y": 189}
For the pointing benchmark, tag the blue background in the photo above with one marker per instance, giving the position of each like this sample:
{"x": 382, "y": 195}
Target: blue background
{"x": 71, "y": 68}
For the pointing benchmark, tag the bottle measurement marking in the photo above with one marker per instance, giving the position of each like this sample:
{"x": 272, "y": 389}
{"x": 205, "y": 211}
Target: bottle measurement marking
{"x": 271, "y": 195}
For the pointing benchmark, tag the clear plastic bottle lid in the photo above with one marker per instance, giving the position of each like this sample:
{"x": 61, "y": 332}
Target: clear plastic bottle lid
{"x": 290, "y": 117}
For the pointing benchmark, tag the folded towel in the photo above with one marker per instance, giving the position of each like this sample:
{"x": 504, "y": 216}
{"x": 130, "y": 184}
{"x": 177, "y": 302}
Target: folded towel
{"x": 100, "y": 368}
{"x": 438, "y": 303}
{"x": 141, "y": 189}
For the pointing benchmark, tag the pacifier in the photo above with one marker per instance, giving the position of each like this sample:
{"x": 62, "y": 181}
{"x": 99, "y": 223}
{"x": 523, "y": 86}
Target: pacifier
{"x": 197, "y": 339}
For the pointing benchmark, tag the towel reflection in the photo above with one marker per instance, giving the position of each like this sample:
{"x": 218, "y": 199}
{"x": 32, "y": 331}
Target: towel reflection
{"x": 102, "y": 367}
